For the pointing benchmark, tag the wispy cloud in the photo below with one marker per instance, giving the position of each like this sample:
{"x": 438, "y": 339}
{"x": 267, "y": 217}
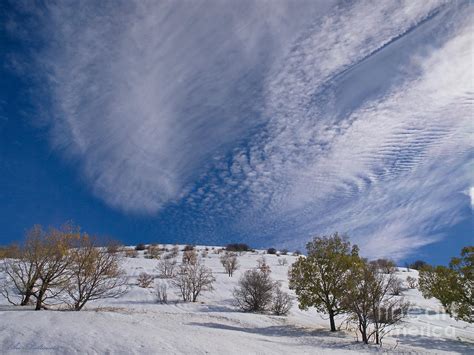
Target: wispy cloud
{"x": 282, "y": 119}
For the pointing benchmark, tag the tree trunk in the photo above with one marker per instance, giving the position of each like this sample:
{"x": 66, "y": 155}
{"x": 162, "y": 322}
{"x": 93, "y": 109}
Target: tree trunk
{"x": 26, "y": 299}
{"x": 332, "y": 322}
{"x": 39, "y": 300}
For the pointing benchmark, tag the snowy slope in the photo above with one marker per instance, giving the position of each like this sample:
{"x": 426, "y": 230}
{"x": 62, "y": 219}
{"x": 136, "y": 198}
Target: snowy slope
{"x": 136, "y": 323}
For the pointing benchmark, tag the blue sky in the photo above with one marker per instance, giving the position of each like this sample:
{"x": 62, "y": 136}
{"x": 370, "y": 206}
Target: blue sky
{"x": 265, "y": 122}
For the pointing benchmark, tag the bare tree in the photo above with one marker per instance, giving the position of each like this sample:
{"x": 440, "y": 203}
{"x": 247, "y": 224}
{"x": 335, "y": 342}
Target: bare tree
{"x": 192, "y": 279}
{"x": 370, "y": 303}
{"x": 53, "y": 263}
{"x": 412, "y": 282}
{"x": 162, "y": 292}
{"x": 230, "y": 262}
{"x": 281, "y": 303}
{"x": 166, "y": 268}
{"x": 190, "y": 256}
{"x": 254, "y": 292}
{"x": 21, "y": 269}
{"x": 95, "y": 273}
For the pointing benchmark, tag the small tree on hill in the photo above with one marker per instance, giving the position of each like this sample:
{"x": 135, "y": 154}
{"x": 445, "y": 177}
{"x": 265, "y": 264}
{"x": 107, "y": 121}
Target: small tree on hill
{"x": 453, "y": 286}
{"x": 192, "y": 279}
{"x": 321, "y": 279}
{"x": 254, "y": 292}
{"x": 95, "y": 273}
{"x": 229, "y": 262}
{"x": 370, "y": 302}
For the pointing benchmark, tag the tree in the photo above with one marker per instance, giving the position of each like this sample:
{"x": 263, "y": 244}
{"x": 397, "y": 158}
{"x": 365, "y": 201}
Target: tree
{"x": 53, "y": 262}
{"x": 21, "y": 269}
{"x": 452, "y": 286}
{"x": 229, "y": 262}
{"x": 95, "y": 273}
{"x": 370, "y": 303}
{"x": 145, "y": 280}
{"x": 192, "y": 279}
{"x": 385, "y": 265}
{"x": 190, "y": 256}
{"x": 321, "y": 279}
{"x": 254, "y": 292}
{"x": 166, "y": 268}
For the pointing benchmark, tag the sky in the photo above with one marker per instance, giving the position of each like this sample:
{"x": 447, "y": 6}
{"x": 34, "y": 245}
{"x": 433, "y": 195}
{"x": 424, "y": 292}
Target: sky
{"x": 263, "y": 122}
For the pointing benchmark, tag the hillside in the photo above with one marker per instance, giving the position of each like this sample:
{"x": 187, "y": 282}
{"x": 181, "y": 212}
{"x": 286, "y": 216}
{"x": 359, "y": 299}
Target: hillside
{"x": 136, "y": 323}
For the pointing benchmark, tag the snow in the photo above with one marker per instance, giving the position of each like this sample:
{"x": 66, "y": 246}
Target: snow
{"x": 136, "y": 324}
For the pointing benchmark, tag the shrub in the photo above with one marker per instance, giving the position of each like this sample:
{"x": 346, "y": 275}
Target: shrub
{"x": 162, "y": 292}
{"x": 188, "y": 247}
{"x": 263, "y": 266}
{"x": 284, "y": 252}
{"x": 281, "y": 303}
{"x": 237, "y": 247}
{"x": 271, "y": 251}
{"x": 412, "y": 282}
{"x": 166, "y": 268}
{"x": 190, "y": 257}
{"x": 144, "y": 280}
{"x": 230, "y": 263}
{"x": 254, "y": 292}
{"x": 153, "y": 251}
{"x": 282, "y": 262}
{"x": 140, "y": 246}
{"x": 131, "y": 253}
{"x": 396, "y": 287}
{"x": 384, "y": 265}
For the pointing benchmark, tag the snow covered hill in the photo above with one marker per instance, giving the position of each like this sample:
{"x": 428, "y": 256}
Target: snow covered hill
{"x": 136, "y": 324}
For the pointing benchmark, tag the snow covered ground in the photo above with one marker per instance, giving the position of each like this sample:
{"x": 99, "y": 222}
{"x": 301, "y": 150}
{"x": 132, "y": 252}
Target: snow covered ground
{"x": 136, "y": 324}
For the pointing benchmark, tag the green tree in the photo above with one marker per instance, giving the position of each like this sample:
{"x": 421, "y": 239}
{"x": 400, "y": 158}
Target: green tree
{"x": 321, "y": 279}
{"x": 452, "y": 285}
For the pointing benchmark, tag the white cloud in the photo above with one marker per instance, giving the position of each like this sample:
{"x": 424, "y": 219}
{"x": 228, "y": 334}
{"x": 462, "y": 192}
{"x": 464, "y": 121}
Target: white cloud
{"x": 363, "y": 113}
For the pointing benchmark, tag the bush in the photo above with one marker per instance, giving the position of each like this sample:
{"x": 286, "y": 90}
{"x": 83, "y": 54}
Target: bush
{"x": 131, "y": 253}
{"x": 188, "y": 248}
{"x": 237, "y": 247}
{"x": 190, "y": 257}
{"x": 282, "y": 262}
{"x": 412, "y": 282}
{"x": 281, "y": 303}
{"x": 384, "y": 265}
{"x": 192, "y": 279}
{"x": 230, "y": 263}
{"x": 140, "y": 246}
{"x": 153, "y": 251}
{"x": 162, "y": 292}
{"x": 145, "y": 280}
{"x": 396, "y": 287}
{"x": 284, "y": 252}
{"x": 166, "y": 268}
{"x": 254, "y": 292}
{"x": 271, "y": 251}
